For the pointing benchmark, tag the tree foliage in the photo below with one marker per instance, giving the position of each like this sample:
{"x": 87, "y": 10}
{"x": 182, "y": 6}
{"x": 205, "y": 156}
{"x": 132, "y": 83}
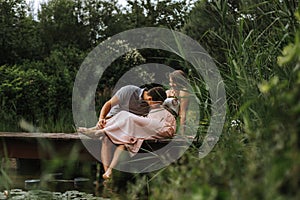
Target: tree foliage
{"x": 60, "y": 25}
{"x": 51, "y": 45}
{"x": 18, "y": 33}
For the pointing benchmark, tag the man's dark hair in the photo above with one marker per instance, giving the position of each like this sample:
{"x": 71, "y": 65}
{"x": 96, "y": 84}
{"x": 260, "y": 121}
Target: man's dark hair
{"x": 157, "y": 94}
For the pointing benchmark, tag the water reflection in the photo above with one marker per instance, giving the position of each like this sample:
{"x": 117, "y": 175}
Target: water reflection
{"x": 26, "y": 175}
{"x": 30, "y": 175}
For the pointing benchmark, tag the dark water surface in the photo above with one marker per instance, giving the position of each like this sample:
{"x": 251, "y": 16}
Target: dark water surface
{"x": 30, "y": 182}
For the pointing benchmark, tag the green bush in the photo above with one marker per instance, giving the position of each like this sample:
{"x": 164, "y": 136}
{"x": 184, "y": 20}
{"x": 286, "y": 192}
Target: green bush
{"x": 24, "y": 91}
{"x": 40, "y": 91}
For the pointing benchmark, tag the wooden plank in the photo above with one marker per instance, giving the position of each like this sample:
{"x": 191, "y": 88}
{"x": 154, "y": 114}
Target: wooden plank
{"x": 62, "y": 145}
{"x": 44, "y": 146}
{"x": 76, "y": 136}
{"x": 63, "y": 136}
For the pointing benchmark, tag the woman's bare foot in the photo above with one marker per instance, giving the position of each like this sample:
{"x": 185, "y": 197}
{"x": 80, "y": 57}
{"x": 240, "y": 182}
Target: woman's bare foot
{"x": 82, "y": 129}
{"x": 99, "y": 133}
{"x": 90, "y": 132}
{"x": 107, "y": 174}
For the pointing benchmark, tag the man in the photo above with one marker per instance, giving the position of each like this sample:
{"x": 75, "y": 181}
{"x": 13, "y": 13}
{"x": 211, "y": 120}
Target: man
{"x": 129, "y": 98}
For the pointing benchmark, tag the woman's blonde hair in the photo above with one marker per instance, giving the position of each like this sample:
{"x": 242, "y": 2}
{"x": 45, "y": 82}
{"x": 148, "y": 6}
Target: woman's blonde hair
{"x": 179, "y": 77}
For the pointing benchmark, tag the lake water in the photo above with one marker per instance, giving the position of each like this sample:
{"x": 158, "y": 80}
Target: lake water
{"x": 31, "y": 182}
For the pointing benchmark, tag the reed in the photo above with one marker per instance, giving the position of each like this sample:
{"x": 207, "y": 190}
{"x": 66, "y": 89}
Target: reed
{"x": 256, "y": 156}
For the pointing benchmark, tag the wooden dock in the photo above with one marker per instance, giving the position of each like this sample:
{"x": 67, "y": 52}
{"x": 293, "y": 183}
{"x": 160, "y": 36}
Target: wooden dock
{"x": 44, "y": 146}
{"x": 60, "y": 145}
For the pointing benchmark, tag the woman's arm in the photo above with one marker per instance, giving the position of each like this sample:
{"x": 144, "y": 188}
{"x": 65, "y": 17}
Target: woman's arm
{"x": 171, "y": 93}
{"x": 184, "y": 103}
{"x": 105, "y": 109}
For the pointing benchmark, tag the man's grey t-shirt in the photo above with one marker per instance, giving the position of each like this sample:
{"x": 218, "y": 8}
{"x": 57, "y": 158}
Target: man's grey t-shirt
{"x": 130, "y": 99}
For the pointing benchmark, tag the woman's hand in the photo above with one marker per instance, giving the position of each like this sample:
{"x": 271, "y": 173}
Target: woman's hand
{"x": 101, "y": 123}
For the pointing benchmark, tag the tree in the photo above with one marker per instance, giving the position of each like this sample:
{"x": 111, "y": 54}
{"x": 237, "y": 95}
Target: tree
{"x": 168, "y": 13}
{"x": 103, "y": 19}
{"x": 18, "y": 33}
{"x": 60, "y": 25}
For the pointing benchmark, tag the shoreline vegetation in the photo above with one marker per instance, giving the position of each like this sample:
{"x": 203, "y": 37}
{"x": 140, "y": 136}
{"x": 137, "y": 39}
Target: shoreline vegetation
{"x": 255, "y": 45}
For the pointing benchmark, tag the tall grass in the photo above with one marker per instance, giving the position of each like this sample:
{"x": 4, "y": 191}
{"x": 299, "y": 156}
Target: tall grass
{"x": 9, "y": 121}
{"x": 12, "y": 122}
{"x": 63, "y": 124}
{"x": 259, "y": 157}
{"x": 5, "y": 182}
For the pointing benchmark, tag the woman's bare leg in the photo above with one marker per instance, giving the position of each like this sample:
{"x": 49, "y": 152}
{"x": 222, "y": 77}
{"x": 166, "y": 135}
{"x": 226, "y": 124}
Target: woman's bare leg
{"x": 84, "y": 129}
{"x": 106, "y": 152}
{"x": 93, "y": 132}
{"x": 114, "y": 161}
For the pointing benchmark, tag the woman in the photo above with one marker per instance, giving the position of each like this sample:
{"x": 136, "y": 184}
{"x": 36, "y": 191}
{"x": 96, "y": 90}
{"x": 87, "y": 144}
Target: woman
{"x": 128, "y": 130}
{"x": 178, "y": 90}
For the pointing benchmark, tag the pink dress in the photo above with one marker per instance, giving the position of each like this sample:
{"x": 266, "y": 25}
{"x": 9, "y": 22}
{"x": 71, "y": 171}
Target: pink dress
{"x": 131, "y": 130}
